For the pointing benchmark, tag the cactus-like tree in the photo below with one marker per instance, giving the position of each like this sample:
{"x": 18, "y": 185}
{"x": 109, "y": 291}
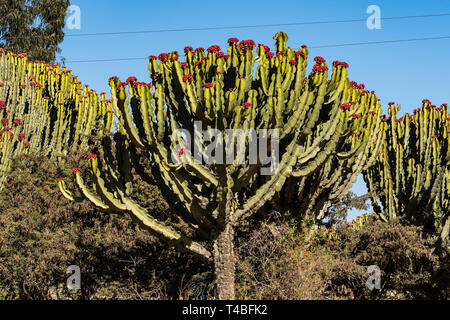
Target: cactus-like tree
{"x": 45, "y": 109}
{"x": 411, "y": 177}
{"x": 307, "y": 115}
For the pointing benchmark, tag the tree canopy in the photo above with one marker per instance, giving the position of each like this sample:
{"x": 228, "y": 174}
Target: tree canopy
{"x": 33, "y": 26}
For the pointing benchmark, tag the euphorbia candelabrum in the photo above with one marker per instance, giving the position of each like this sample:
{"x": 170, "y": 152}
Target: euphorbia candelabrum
{"x": 411, "y": 177}
{"x": 219, "y": 90}
{"x": 50, "y": 106}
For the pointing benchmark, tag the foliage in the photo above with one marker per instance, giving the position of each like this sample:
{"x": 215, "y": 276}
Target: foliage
{"x": 42, "y": 233}
{"x": 276, "y": 262}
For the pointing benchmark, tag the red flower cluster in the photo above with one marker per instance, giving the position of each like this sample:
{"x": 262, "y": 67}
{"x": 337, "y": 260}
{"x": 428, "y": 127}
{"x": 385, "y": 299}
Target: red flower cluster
{"x": 184, "y": 65}
{"x": 319, "y": 59}
{"x": 339, "y": 63}
{"x": 233, "y": 40}
{"x": 23, "y": 85}
{"x": 247, "y": 105}
{"x": 131, "y": 79}
{"x": 2, "y": 104}
{"x": 76, "y": 170}
{"x": 17, "y": 121}
{"x": 356, "y": 116}
{"x": 220, "y": 55}
{"x": 208, "y": 85}
{"x": 5, "y": 121}
{"x": 372, "y": 112}
{"x": 163, "y": 56}
{"x": 21, "y": 136}
{"x": 426, "y": 101}
{"x": 60, "y": 179}
{"x": 388, "y": 178}
{"x": 345, "y": 106}
{"x": 266, "y": 48}
{"x": 434, "y": 137}
{"x": 304, "y": 46}
{"x": 391, "y": 103}
{"x": 92, "y": 156}
{"x": 213, "y": 49}
{"x": 318, "y": 68}
{"x": 281, "y": 53}
{"x": 247, "y": 44}
{"x": 199, "y": 49}
{"x": 188, "y": 49}
{"x": 188, "y": 77}
{"x": 293, "y": 62}
{"x": 269, "y": 55}
{"x": 152, "y": 57}
{"x": 26, "y": 144}
{"x": 300, "y": 53}
{"x": 37, "y": 84}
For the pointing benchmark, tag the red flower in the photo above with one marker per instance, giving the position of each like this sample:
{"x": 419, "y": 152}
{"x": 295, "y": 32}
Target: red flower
{"x": 220, "y": 55}
{"x": 184, "y": 65}
{"x": 300, "y": 53}
{"x": 356, "y": 116}
{"x": 131, "y": 79}
{"x": 247, "y": 44}
{"x": 5, "y": 121}
{"x": 2, "y": 84}
{"x": 199, "y": 49}
{"x": 319, "y": 60}
{"x": 198, "y": 63}
{"x": 60, "y": 179}
{"x": 92, "y": 155}
{"x": 21, "y": 136}
{"x": 152, "y": 57}
{"x": 391, "y": 103}
{"x": 247, "y": 105}
{"x": 181, "y": 151}
{"x": 226, "y": 57}
{"x": 266, "y": 48}
{"x": 23, "y": 85}
{"x": 17, "y": 121}
{"x": 213, "y": 49}
{"x": 345, "y": 106}
{"x": 208, "y": 85}
{"x": 372, "y": 112}
{"x": 339, "y": 63}
{"x": 188, "y": 49}
{"x": 11, "y": 135}
{"x": 230, "y": 89}
{"x": 293, "y": 62}
{"x": 163, "y": 56}
{"x": 269, "y": 55}
{"x": 233, "y": 40}
{"x": 2, "y": 104}
{"x": 434, "y": 137}
{"x": 26, "y": 144}
{"x": 76, "y": 170}
{"x": 388, "y": 178}
{"x": 188, "y": 77}
{"x": 304, "y": 46}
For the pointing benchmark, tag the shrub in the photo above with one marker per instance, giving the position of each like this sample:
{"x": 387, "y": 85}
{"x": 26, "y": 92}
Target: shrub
{"x": 42, "y": 233}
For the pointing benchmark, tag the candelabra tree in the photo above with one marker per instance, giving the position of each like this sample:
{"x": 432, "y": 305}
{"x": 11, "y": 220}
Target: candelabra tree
{"x": 43, "y": 108}
{"x": 310, "y": 196}
{"x": 410, "y": 178}
{"x": 301, "y": 116}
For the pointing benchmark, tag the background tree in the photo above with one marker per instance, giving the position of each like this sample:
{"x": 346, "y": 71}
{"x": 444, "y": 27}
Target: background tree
{"x": 33, "y": 26}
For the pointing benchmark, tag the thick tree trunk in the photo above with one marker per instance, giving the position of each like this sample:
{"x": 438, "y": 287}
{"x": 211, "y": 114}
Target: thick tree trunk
{"x": 224, "y": 264}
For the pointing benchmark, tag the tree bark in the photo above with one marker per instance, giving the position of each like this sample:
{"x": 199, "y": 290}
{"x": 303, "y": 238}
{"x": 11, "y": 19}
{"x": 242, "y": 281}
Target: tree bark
{"x": 224, "y": 264}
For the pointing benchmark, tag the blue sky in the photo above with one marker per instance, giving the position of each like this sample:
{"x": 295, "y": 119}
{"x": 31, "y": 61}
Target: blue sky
{"x": 404, "y": 72}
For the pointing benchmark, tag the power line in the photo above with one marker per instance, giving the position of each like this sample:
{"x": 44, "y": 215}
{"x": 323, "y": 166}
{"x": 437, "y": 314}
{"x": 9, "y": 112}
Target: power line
{"x": 311, "y": 47}
{"x": 252, "y": 26}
